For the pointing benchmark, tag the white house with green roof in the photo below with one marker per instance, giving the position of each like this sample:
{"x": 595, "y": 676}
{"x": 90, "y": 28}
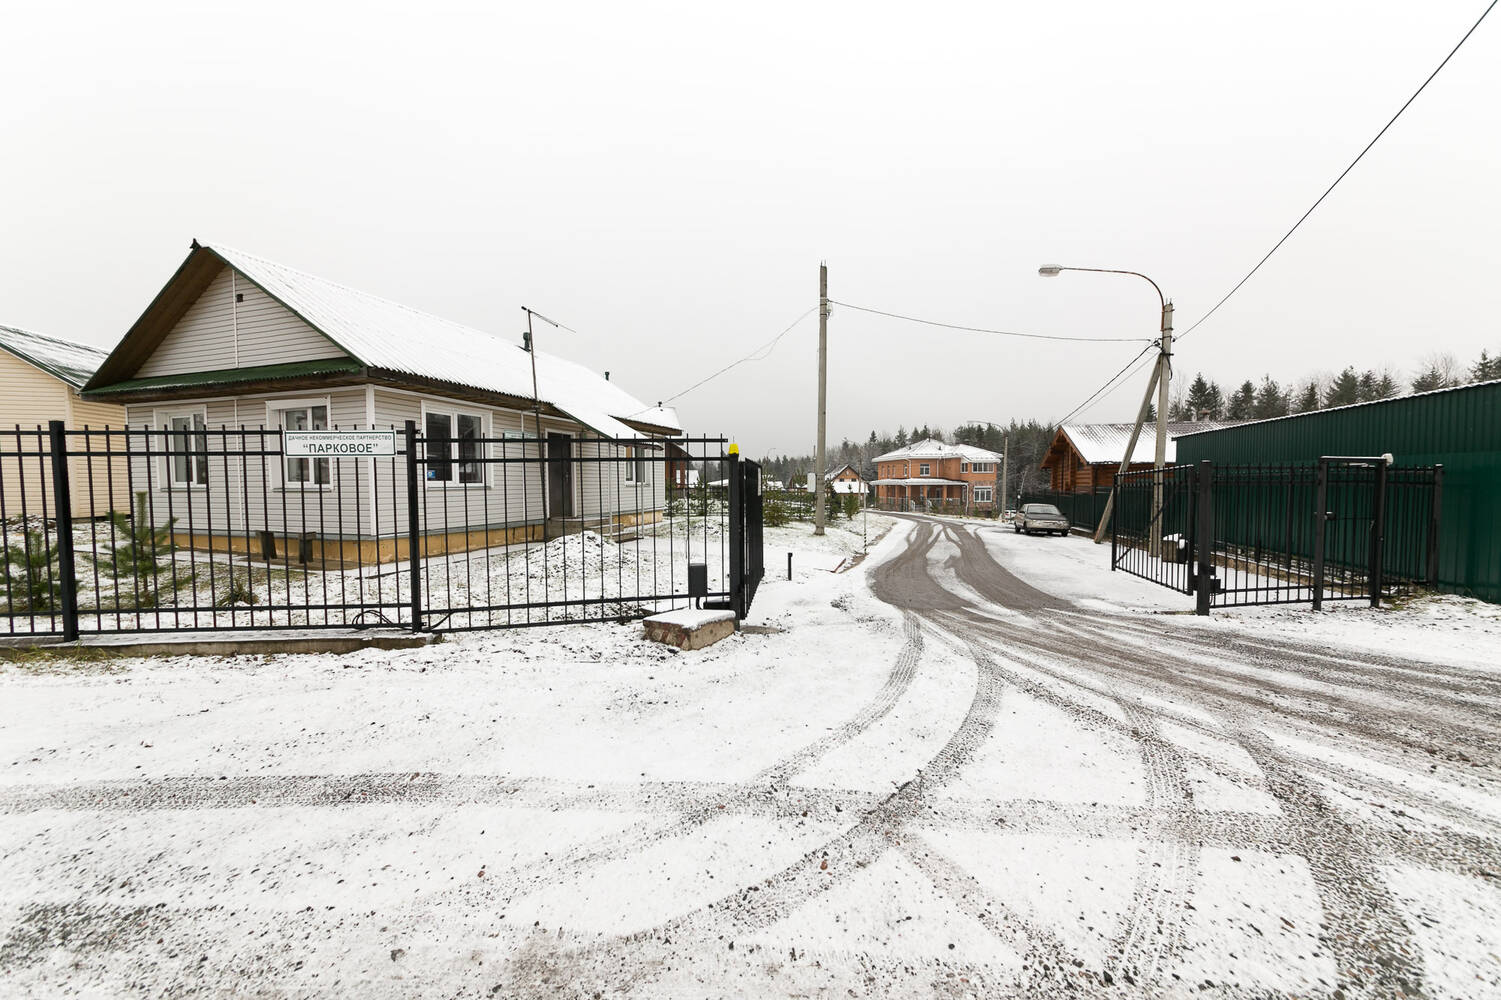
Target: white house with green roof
{"x": 237, "y": 341}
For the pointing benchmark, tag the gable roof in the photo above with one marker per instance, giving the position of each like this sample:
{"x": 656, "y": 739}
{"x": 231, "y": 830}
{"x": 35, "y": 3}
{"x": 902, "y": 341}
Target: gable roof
{"x": 393, "y": 339}
{"x": 932, "y": 448}
{"x": 840, "y": 468}
{"x": 71, "y": 362}
{"x": 1105, "y": 444}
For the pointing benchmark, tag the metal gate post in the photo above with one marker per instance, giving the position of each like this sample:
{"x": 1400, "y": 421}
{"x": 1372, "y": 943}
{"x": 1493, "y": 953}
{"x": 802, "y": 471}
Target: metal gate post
{"x": 737, "y": 538}
{"x": 1378, "y": 534}
{"x": 1321, "y": 519}
{"x": 414, "y": 560}
{"x": 1433, "y": 521}
{"x": 1204, "y": 590}
{"x": 62, "y": 510}
{"x": 1113, "y": 522}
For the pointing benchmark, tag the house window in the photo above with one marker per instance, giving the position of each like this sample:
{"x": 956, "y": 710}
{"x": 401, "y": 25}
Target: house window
{"x": 923, "y": 469}
{"x": 305, "y": 417}
{"x": 453, "y": 447}
{"x": 186, "y": 448}
{"x": 982, "y": 494}
{"x": 964, "y": 467}
{"x": 635, "y": 466}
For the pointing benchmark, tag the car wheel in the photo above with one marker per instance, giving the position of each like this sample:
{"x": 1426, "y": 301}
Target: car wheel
{"x": 1016, "y": 529}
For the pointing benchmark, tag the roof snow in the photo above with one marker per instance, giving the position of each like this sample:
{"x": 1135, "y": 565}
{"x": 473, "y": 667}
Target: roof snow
{"x": 1100, "y": 444}
{"x": 932, "y": 448}
{"x": 383, "y": 334}
{"x": 74, "y": 363}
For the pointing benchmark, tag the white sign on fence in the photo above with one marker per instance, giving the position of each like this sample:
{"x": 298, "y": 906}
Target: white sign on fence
{"x": 338, "y": 444}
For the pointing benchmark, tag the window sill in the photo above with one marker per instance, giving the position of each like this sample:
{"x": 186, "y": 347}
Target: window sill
{"x": 302, "y": 489}
{"x": 438, "y": 484}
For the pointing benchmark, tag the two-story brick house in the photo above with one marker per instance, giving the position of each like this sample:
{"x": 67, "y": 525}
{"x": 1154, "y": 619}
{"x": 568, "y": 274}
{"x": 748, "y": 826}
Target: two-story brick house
{"x": 930, "y": 474}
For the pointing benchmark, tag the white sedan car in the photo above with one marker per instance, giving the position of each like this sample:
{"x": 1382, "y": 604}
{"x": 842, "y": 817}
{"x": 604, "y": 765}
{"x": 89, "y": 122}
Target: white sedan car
{"x": 1040, "y": 517}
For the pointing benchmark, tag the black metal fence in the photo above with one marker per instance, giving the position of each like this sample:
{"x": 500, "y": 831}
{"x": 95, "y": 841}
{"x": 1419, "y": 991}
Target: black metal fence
{"x": 1343, "y": 529}
{"x": 196, "y": 528}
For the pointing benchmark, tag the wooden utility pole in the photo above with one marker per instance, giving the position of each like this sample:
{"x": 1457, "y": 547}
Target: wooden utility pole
{"x": 823, "y": 392}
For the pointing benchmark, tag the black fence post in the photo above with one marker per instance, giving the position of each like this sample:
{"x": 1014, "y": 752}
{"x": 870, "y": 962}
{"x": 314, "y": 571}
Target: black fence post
{"x": 1113, "y": 522}
{"x": 1204, "y": 589}
{"x": 1321, "y": 519}
{"x": 737, "y": 537}
{"x": 413, "y": 528}
{"x": 1378, "y": 534}
{"x": 62, "y": 509}
{"x": 1433, "y": 524}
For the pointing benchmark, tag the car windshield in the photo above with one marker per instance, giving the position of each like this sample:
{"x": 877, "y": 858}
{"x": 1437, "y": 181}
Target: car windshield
{"x": 1042, "y": 510}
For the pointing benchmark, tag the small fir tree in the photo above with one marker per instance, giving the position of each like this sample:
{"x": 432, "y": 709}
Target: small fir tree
{"x": 138, "y": 552}
{"x": 32, "y": 575}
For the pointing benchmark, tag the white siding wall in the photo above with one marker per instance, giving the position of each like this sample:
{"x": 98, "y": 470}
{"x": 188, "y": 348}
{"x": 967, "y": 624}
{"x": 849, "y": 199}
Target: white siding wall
{"x": 218, "y": 333}
{"x": 247, "y": 495}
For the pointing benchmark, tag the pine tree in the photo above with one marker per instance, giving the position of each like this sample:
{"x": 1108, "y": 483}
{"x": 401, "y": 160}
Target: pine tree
{"x": 1270, "y": 400}
{"x": 1486, "y": 368}
{"x": 1242, "y": 405}
{"x": 1344, "y": 390}
{"x": 1308, "y": 399}
{"x": 1367, "y": 389}
{"x": 1386, "y": 385}
{"x": 137, "y": 553}
{"x": 901, "y": 437}
{"x": 1203, "y": 398}
{"x": 1430, "y": 379}
{"x": 32, "y": 574}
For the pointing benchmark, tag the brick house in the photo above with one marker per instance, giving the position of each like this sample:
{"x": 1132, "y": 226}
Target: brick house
{"x": 931, "y": 474}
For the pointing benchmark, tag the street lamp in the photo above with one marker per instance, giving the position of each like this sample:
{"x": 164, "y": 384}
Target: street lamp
{"x": 1161, "y": 377}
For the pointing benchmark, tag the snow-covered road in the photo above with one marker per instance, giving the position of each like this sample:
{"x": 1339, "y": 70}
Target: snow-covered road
{"x": 976, "y": 765}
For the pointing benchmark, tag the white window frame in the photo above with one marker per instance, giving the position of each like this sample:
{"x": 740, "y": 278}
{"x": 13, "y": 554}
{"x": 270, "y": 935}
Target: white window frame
{"x": 988, "y": 496}
{"x": 454, "y": 411}
{"x": 163, "y": 419}
{"x": 635, "y": 466}
{"x": 274, "y": 410}
{"x": 924, "y": 469}
{"x": 964, "y": 467}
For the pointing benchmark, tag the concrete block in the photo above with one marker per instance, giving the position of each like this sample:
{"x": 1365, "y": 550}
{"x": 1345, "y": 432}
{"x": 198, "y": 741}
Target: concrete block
{"x": 688, "y": 629}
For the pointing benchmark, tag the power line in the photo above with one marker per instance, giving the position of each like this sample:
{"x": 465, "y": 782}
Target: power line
{"x": 979, "y": 329}
{"x": 1108, "y": 387}
{"x": 759, "y": 354}
{"x": 1341, "y": 177}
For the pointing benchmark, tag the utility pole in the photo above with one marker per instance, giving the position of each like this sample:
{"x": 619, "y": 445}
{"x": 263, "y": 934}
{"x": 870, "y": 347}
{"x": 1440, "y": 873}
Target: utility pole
{"x": 823, "y": 391}
{"x": 1005, "y": 473}
{"x": 1159, "y": 461}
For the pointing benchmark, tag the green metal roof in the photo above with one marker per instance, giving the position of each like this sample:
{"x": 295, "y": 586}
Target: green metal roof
{"x": 231, "y": 376}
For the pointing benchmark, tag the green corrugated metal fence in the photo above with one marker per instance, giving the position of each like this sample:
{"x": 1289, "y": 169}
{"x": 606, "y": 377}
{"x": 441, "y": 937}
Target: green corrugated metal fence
{"x": 1459, "y": 429}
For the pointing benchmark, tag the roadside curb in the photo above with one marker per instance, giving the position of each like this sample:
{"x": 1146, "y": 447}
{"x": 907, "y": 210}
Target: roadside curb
{"x": 336, "y": 641}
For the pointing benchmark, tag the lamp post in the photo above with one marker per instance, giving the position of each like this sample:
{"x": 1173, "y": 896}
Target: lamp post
{"x": 1161, "y": 377}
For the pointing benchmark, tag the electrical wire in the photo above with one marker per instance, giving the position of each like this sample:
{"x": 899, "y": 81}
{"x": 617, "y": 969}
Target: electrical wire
{"x": 1111, "y": 384}
{"x": 999, "y": 333}
{"x": 1341, "y": 177}
{"x": 759, "y": 354}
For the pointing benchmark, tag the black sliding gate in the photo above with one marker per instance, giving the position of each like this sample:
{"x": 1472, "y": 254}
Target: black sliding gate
{"x": 1342, "y": 529}
{"x": 441, "y": 528}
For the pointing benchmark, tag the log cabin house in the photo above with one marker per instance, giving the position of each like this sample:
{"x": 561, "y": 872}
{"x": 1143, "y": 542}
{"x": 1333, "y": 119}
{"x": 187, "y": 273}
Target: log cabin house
{"x": 1085, "y": 457}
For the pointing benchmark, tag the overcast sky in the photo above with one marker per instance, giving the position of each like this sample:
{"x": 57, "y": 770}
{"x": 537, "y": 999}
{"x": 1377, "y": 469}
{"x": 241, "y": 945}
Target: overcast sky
{"x": 666, "y": 178}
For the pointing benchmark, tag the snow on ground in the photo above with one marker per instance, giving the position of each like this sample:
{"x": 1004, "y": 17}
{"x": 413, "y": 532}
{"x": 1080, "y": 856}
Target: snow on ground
{"x": 1441, "y": 628}
{"x": 573, "y": 811}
